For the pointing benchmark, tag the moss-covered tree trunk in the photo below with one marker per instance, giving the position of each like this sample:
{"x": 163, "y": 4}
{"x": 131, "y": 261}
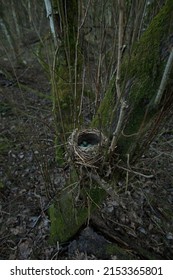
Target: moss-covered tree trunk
{"x": 137, "y": 113}
{"x": 141, "y": 76}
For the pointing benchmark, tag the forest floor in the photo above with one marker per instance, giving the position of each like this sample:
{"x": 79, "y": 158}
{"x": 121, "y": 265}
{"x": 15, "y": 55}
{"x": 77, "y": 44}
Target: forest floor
{"x": 138, "y": 219}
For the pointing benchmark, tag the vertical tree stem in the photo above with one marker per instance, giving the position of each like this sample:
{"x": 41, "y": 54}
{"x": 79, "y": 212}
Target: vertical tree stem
{"x": 49, "y": 11}
{"x": 165, "y": 78}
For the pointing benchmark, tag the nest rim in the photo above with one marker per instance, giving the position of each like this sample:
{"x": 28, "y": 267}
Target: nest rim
{"x": 90, "y": 155}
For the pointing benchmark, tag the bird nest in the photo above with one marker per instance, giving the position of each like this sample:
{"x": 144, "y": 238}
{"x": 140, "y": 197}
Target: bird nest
{"x": 85, "y": 147}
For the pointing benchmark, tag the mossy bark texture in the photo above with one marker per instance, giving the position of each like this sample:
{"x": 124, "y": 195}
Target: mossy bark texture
{"x": 69, "y": 212}
{"x": 141, "y": 74}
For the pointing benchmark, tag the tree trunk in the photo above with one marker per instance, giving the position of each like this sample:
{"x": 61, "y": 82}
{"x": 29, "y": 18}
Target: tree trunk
{"x": 141, "y": 76}
{"x": 130, "y": 123}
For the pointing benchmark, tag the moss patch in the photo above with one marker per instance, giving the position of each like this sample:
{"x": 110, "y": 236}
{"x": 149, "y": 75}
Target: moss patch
{"x": 145, "y": 70}
{"x": 102, "y": 120}
{"x": 147, "y": 63}
{"x": 72, "y": 209}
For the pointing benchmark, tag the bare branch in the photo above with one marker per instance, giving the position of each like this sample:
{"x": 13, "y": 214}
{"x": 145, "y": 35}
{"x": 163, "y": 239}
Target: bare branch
{"x": 120, "y": 43}
{"x": 165, "y": 78}
{"x": 119, "y": 125}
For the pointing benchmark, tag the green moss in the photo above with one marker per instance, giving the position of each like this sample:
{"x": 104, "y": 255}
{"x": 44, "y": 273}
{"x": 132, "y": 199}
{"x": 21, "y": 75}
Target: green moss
{"x": 140, "y": 78}
{"x": 118, "y": 252}
{"x": 69, "y": 212}
{"x": 145, "y": 70}
{"x": 146, "y": 67}
{"x": 63, "y": 222}
{"x": 103, "y": 117}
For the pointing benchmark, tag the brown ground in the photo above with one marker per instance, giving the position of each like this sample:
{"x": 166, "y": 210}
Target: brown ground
{"x": 138, "y": 219}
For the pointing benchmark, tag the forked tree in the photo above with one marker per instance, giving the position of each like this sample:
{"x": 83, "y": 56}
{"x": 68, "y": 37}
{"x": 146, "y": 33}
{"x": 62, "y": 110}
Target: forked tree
{"x": 124, "y": 49}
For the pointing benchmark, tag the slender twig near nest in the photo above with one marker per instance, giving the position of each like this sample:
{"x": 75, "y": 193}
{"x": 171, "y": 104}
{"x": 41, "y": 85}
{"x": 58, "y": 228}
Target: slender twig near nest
{"x": 82, "y": 93}
{"x": 119, "y": 125}
{"x": 86, "y": 164}
{"x": 120, "y": 99}
{"x": 76, "y": 61}
{"x": 165, "y": 78}
{"x": 78, "y": 154}
{"x": 120, "y": 43}
{"x": 135, "y": 172}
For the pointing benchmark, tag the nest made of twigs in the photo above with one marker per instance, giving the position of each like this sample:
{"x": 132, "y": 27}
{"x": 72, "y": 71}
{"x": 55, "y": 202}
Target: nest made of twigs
{"x": 85, "y": 147}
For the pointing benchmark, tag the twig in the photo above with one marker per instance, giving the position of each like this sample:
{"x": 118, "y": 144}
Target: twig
{"x": 120, "y": 43}
{"x": 82, "y": 94}
{"x": 57, "y": 97}
{"x": 119, "y": 95}
{"x": 76, "y": 63}
{"x": 165, "y": 78}
{"x": 119, "y": 125}
{"x": 49, "y": 11}
{"x": 135, "y": 172}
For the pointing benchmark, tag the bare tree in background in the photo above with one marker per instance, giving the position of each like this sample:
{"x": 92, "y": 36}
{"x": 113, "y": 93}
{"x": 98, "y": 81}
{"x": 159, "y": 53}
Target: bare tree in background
{"x": 21, "y": 25}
